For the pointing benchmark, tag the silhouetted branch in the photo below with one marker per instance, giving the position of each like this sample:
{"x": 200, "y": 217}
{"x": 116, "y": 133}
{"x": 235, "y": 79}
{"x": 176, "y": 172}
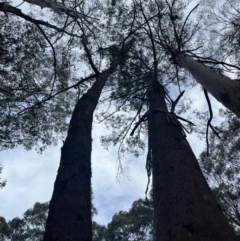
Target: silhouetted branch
{"x": 209, "y": 121}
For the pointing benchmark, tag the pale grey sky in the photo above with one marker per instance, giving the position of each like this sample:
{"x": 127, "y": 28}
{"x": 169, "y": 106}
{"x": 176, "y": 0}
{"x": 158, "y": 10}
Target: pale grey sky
{"x": 30, "y": 176}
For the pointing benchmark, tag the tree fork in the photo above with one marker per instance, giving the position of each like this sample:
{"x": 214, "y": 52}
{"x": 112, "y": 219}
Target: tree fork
{"x": 69, "y": 217}
{"x": 184, "y": 207}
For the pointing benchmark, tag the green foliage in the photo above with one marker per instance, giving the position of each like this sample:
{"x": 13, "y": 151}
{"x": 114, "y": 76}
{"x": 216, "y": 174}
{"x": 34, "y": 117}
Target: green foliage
{"x": 222, "y": 168}
{"x": 99, "y": 232}
{"x": 2, "y": 182}
{"x": 4, "y": 229}
{"x": 223, "y": 23}
{"x": 34, "y": 106}
{"x": 30, "y": 74}
{"x": 28, "y": 228}
{"x": 134, "y": 225}
{"x": 129, "y": 87}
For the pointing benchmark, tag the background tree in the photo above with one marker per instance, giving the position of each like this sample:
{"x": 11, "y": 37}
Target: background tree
{"x": 30, "y": 227}
{"x": 221, "y": 168}
{"x": 135, "y": 224}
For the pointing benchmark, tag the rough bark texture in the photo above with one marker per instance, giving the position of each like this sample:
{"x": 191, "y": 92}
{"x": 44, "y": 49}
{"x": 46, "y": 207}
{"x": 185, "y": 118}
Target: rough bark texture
{"x": 184, "y": 207}
{"x": 69, "y": 217}
{"x": 225, "y": 90}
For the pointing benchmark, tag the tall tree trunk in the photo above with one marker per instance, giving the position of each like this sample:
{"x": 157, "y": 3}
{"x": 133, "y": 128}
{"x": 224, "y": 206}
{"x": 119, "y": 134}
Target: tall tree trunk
{"x": 225, "y": 90}
{"x": 69, "y": 217}
{"x": 184, "y": 207}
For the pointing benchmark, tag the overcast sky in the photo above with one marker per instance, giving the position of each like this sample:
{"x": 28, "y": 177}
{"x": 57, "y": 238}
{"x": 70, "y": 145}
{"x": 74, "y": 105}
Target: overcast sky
{"x": 30, "y": 176}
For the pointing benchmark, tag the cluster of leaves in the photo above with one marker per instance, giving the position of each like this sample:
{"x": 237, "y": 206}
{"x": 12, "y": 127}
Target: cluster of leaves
{"x": 33, "y": 107}
{"x": 2, "y": 182}
{"x": 27, "y": 94}
{"x": 223, "y": 25}
{"x": 134, "y": 225}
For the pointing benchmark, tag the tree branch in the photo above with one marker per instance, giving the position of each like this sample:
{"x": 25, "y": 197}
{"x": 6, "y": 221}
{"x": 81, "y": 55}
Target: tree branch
{"x": 59, "y": 92}
{"x": 209, "y": 121}
{"x": 58, "y": 8}
{"x": 181, "y": 33}
{"x": 54, "y": 57}
{"x": 4, "y": 7}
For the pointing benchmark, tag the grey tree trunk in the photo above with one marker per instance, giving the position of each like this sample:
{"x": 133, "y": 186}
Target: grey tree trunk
{"x": 69, "y": 217}
{"x": 184, "y": 207}
{"x": 225, "y": 90}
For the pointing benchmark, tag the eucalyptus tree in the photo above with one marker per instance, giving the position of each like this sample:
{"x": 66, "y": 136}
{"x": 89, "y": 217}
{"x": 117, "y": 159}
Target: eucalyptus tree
{"x": 135, "y": 224}
{"x": 69, "y": 215}
{"x": 178, "y": 208}
{"x": 184, "y": 206}
{"x": 226, "y": 49}
{"x": 28, "y": 228}
{"x": 222, "y": 25}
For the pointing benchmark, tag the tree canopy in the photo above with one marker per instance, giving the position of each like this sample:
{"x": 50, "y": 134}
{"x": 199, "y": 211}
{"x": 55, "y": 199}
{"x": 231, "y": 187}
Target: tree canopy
{"x": 144, "y": 55}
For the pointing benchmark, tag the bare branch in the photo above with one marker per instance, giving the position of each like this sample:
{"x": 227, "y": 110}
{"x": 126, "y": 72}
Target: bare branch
{"x": 143, "y": 118}
{"x": 59, "y": 92}
{"x": 54, "y": 57}
{"x": 4, "y": 7}
{"x": 181, "y": 33}
{"x": 59, "y": 8}
{"x": 209, "y": 120}
{"x": 174, "y": 103}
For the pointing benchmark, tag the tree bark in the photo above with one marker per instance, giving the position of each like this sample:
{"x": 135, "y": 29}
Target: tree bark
{"x": 225, "y": 90}
{"x": 184, "y": 207}
{"x": 69, "y": 217}
{"x": 57, "y": 7}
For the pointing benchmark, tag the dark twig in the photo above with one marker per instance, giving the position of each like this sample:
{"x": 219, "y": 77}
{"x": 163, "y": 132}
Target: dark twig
{"x": 116, "y": 110}
{"x": 59, "y": 92}
{"x": 209, "y": 121}
{"x": 54, "y": 57}
{"x": 181, "y": 33}
{"x": 174, "y": 103}
{"x": 4, "y": 7}
{"x": 171, "y": 114}
{"x": 143, "y": 118}
{"x": 173, "y": 18}
{"x": 87, "y": 51}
